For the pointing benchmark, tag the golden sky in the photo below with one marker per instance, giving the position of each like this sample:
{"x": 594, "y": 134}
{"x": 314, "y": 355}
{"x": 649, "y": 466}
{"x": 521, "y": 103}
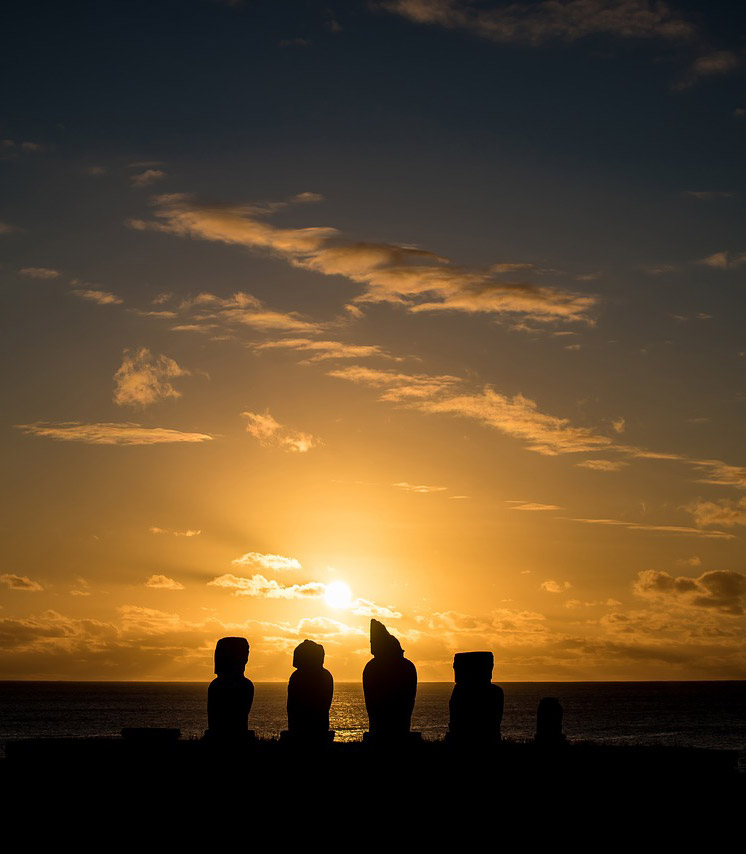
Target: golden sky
{"x": 419, "y": 311}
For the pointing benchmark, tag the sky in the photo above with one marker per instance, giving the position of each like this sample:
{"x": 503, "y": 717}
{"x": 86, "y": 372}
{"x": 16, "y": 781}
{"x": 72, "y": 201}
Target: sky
{"x": 423, "y": 310}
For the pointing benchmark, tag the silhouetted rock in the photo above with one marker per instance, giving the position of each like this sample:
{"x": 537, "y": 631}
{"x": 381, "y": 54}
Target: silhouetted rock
{"x": 549, "y": 722}
{"x": 310, "y": 692}
{"x": 389, "y": 685}
{"x": 476, "y": 705}
{"x": 231, "y": 694}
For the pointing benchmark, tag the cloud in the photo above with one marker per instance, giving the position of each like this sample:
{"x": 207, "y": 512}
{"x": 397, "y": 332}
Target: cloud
{"x": 149, "y": 176}
{"x": 271, "y": 434}
{"x": 20, "y": 582}
{"x": 163, "y": 582}
{"x": 97, "y": 296}
{"x": 663, "y": 529}
{"x": 422, "y": 489}
{"x": 188, "y": 533}
{"x": 259, "y": 586}
{"x": 81, "y": 588}
{"x": 241, "y": 309}
{"x": 110, "y": 433}
{"x": 603, "y": 465}
{"x": 96, "y": 171}
{"x": 39, "y": 272}
{"x": 366, "y": 608}
{"x": 552, "y": 586}
{"x": 267, "y": 561}
{"x": 7, "y": 228}
{"x": 414, "y": 278}
{"x": 143, "y": 379}
{"x": 397, "y": 386}
{"x": 713, "y": 63}
{"x": 536, "y": 24}
{"x": 722, "y": 590}
{"x": 520, "y": 417}
{"x": 520, "y": 505}
{"x": 708, "y": 195}
{"x": 324, "y": 350}
{"x": 727, "y": 513}
{"x": 724, "y": 260}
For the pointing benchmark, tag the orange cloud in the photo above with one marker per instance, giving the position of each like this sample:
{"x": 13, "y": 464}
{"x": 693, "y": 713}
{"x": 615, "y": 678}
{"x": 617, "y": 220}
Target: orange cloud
{"x": 143, "y": 379}
{"x": 416, "y": 278}
{"x": 110, "y": 433}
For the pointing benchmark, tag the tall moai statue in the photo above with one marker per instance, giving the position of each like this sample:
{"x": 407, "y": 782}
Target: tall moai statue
{"x": 549, "y": 716}
{"x": 389, "y": 686}
{"x": 476, "y": 705}
{"x": 310, "y": 692}
{"x": 230, "y": 694}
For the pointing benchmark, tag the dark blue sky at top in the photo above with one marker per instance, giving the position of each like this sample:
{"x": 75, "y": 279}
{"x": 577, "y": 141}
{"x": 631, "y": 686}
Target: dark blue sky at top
{"x": 198, "y": 75}
{"x": 563, "y": 153}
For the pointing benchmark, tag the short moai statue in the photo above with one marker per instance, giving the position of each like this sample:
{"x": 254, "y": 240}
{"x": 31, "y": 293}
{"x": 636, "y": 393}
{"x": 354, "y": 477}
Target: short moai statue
{"x": 310, "y": 692}
{"x": 476, "y": 705}
{"x": 230, "y": 694}
{"x": 549, "y": 723}
{"x": 389, "y": 686}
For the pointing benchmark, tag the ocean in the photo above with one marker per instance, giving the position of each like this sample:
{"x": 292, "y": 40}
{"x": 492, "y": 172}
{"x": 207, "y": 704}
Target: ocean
{"x": 694, "y": 714}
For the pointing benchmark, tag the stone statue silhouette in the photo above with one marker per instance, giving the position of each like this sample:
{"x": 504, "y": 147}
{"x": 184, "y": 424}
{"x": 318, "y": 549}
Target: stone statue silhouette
{"x": 230, "y": 694}
{"x": 389, "y": 685}
{"x": 310, "y": 692}
{"x": 549, "y": 722}
{"x": 476, "y": 705}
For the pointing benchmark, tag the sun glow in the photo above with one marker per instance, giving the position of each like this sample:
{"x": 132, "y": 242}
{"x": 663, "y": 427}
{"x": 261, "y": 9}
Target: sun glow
{"x": 338, "y": 595}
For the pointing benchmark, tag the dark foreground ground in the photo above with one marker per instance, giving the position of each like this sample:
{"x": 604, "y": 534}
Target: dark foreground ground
{"x": 355, "y": 796}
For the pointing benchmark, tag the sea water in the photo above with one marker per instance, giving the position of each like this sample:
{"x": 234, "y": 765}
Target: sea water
{"x": 694, "y": 714}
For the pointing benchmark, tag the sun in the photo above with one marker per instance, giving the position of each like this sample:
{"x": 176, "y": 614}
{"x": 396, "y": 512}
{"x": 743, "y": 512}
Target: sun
{"x": 338, "y": 595}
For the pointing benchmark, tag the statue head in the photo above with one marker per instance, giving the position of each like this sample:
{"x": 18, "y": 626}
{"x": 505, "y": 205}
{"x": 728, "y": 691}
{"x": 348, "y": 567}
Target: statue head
{"x": 231, "y": 655}
{"x": 473, "y": 666}
{"x": 382, "y": 643}
{"x": 308, "y": 654}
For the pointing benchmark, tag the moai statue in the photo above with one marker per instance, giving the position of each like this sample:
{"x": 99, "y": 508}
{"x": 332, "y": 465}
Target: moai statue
{"x": 549, "y": 723}
{"x": 476, "y": 705}
{"x": 389, "y": 686}
{"x": 310, "y": 692}
{"x": 230, "y": 694}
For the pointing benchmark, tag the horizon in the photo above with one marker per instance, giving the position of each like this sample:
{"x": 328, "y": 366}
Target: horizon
{"x": 424, "y": 311}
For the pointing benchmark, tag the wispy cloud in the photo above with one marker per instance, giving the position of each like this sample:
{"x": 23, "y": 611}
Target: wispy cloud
{"x": 163, "y": 582}
{"x": 270, "y": 433}
{"x": 208, "y": 311}
{"x": 711, "y": 64}
{"x": 20, "y": 582}
{"x": 148, "y": 177}
{"x": 708, "y": 195}
{"x": 267, "y": 561}
{"x": 726, "y": 513}
{"x": 7, "y": 228}
{"x": 552, "y": 586}
{"x": 662, "y": 529}
{"x": 321, "y": 351}
{"x": 259, "y": 586}
{"x": 143, "y": 379}
{"x": 110, "y": 433}
{"x": 603, "y": 465}
{"x": 98, "y": 296}
{"x": 724, "y": 260}
{"x": 417, "y": 279}
{"x": 39, "y": 272}
{"x": 531, "y": 506}
{"x": 189, "y": 532}
{"x": 419, "y": 488}
{"x": 536, "y": 24}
